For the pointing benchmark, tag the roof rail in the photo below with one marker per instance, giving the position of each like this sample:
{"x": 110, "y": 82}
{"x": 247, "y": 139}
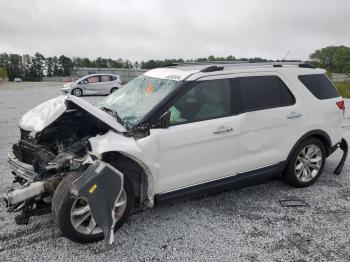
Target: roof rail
{"x": 242, "y": 63}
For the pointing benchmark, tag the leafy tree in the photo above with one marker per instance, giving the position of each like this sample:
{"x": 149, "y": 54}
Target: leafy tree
{"x": 14, "y": 67}
{"x": 49, "y": 66}
{"x": 65, "y": 66}
{"x": 56, "y": 70}
{"x": 150, "y": 64}
{"x": 333, "y": 58}
{"x": 3, "y": 73}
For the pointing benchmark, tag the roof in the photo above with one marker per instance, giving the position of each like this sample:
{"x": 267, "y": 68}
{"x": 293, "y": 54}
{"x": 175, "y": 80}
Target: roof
{"x": 188, "y": 71}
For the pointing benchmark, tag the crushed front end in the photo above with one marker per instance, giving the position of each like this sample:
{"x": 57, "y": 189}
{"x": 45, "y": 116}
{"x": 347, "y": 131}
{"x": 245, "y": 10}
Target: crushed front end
{"x": 53, "y": 143}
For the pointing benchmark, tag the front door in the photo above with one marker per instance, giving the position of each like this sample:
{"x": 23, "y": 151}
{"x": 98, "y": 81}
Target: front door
{"x": 201, "y": 145}
{"x": 92, "y": 84}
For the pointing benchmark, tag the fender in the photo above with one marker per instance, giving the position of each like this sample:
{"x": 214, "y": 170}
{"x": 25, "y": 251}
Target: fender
{"x": 325, "y": 138}
{"x": 113, "y": 142}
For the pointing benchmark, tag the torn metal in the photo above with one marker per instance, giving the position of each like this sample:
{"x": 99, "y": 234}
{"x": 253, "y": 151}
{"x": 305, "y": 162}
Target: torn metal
{"x": 67, "y": 134}
{"x": 101, "y": 185}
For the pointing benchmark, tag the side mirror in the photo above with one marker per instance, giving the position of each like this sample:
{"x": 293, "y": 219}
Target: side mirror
{"x": 83, "y": 82}
{"x": 163, "y": 121}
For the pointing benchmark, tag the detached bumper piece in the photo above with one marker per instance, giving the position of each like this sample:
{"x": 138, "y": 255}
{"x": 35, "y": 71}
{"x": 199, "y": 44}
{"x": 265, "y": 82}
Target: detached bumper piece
{"x": 101, "y": 185}
{"x": 343, "y": 145}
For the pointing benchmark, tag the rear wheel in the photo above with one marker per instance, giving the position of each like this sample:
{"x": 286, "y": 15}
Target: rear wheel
{"x": 72, "y": 215}
{"x": 114, "y": 89}
{"x": 306, "y": 163}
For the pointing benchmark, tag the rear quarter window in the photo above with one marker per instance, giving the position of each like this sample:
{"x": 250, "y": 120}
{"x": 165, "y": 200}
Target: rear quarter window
{"x": 319, "y": 85}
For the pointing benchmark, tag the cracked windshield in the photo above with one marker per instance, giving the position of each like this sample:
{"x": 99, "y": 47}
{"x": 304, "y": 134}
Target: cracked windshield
{"x": 137, "y": 98}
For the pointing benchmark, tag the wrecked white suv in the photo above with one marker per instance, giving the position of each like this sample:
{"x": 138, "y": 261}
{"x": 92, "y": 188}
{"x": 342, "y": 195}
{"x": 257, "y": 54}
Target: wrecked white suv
{"x": 172, "y": 132}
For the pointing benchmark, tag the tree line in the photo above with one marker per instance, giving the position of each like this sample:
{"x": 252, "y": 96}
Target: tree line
{"x": 33, "y": 68}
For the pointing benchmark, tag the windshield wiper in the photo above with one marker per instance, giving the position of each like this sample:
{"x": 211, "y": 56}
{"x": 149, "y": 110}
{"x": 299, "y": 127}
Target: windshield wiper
{"x": 114, "y": 113}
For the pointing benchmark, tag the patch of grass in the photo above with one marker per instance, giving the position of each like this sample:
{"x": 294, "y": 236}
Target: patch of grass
{"x": 343, "y": 88}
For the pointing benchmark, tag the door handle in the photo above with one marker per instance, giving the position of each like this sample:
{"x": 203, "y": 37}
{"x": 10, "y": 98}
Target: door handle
{"x": 294, "y": 115}
{"x": 222, "y": 129}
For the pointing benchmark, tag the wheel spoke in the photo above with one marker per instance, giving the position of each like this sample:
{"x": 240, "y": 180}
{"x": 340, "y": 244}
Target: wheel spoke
{"x": 82, "y": 220}
{"x": 316, "y": 159}
{"x": 79, "y": 221}
{"x": 91, "y": 226}
{"x": 314, "y": 166}
{"x": 81, "y": 210}
{"x": 310, "y": 151}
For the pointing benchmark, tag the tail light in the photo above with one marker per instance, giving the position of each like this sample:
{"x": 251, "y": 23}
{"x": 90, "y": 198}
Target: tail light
{"x": 341, "y": 105}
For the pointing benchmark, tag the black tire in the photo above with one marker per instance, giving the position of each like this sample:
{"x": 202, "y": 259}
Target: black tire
{"x": 77, "y": 92}
{"x": 114, "y": 89}
{"x": 62, "y": 204}
{"x": 290, "y": 174}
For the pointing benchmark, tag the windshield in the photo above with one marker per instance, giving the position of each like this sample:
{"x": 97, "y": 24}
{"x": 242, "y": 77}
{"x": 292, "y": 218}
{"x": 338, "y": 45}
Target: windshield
{"x": 137, "y": 98}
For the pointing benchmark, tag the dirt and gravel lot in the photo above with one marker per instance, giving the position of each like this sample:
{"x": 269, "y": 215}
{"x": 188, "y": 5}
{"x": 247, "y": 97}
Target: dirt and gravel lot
{"x": 248, "y": 224}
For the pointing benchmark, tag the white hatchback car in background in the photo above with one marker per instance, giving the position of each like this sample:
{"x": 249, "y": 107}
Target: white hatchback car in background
{"x": 172, "y": 132}
{"x": 94, "y": 84}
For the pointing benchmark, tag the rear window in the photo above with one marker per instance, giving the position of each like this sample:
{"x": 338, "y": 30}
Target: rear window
{"x": 319, "y": 86}
{"x": 263, "y": 92}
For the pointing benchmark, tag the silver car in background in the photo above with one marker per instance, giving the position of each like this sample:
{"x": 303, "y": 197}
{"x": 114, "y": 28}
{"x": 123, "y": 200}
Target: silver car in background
{"x": 94, "y": 84}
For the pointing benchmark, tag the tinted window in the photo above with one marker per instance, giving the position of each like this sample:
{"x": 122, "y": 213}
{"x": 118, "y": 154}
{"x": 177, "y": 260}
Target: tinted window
{"x": 106, "y": 78}
{"x": 319, "y": 86}
{"x": 263, "y": 92}
{"x": 207, "y": 100}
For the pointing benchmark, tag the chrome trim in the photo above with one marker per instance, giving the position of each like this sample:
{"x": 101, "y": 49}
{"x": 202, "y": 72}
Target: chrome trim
{"x": 21, "y": 169}
{"x": 222, "y": 130}
{"x": 294, "y": 115}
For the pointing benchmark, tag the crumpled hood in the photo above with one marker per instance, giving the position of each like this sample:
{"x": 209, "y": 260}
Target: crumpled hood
{"x": 41, "y": 116}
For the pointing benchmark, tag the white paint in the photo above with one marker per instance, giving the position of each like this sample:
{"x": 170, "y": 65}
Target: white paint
{"x": 44, "y": 114}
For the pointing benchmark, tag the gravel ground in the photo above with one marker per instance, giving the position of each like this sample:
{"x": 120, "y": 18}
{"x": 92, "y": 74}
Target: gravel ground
{"x": 248, "y": 224}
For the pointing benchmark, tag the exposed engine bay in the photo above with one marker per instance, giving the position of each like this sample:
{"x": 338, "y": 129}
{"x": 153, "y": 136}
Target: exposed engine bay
{"x": 40, "y": 159}
{"x": 52, "y": 150}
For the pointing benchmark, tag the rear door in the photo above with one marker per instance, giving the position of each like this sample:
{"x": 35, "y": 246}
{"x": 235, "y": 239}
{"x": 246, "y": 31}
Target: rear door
{"x": 106, "y": 84}
{"x": 272, "y": 119}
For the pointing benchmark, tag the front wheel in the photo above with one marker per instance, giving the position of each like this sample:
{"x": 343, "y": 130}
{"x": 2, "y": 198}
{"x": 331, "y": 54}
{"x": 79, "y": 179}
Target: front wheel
{"x": 306, "y": 163}
{"x": 77, "y": 92}
{"x": 72, "y": 215}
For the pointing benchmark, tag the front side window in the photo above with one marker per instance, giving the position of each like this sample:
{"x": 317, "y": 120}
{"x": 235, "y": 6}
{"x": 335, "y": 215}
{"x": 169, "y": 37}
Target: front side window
{"x": 134, "y": 100}
{"x": 262, "y": 92}
{"x": 93, "y": 79}
{"x": 207, "y": 100}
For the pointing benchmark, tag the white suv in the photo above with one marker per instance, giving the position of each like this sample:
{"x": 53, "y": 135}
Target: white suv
{"x": 172, "y": 132}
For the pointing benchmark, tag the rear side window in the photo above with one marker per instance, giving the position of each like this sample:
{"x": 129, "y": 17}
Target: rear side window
{"x": 106, "y": 78}
{"x": 263, "y": 92}
{"x": 319, "y": 86}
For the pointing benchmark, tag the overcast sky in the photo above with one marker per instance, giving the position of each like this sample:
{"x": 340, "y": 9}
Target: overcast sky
{"x": 158, "y": 29}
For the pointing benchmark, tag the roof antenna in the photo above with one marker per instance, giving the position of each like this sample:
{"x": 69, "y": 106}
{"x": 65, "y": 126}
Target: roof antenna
{"x": 285, "y": 57}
